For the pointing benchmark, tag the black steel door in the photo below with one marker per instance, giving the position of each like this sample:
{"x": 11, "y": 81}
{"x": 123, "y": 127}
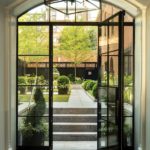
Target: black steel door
{"x": 111, "y": 84}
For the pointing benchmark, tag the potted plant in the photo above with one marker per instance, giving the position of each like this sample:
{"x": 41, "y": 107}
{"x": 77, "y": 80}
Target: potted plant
{"x": 34, "y": 128}
{"x": 63, "y": 85}
{"x": 22, "y": 83}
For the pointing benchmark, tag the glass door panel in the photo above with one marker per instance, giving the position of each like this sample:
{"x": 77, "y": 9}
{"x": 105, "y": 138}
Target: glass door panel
{"x": 33, "y": 88}
{"x": 116, "y": 85}
{"x": 128, "y": 89}
{"x": 108, "y": 86}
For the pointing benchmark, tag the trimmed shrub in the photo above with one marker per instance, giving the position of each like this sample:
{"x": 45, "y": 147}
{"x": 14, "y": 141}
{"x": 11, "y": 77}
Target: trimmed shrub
{"x": 90, "y": 84}
{"x": 95, "y": 90}
{"x": 71, "y": 77}
{"x": 41, "y": 80}
{"x": 56, "y": 73}
{"x": 85, "y": 84}
{"x": 63, "y": 85}
{"x": 22, "y": 81}
{"x": 34, "y": 129}
{"x": 31, "y": 80}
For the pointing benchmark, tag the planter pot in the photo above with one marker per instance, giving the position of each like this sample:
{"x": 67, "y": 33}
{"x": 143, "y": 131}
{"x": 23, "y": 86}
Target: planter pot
{"x": 63, "y": 91}
{"x": 36, "y": 140}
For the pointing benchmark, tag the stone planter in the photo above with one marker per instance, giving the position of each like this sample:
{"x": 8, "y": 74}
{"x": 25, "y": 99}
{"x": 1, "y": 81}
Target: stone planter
{"x": 63, "y": 91}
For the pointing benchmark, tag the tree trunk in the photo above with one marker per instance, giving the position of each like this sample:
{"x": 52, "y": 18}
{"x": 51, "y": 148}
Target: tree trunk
{"x": 75, "y": 71}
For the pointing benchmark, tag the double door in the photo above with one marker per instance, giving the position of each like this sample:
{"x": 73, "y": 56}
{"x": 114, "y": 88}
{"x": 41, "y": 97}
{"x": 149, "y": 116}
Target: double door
{"x": 115, "y": 96}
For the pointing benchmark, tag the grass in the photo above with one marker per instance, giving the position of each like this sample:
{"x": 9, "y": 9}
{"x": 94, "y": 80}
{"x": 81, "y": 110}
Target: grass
{"x": 56, "y": 98}
{"x": 61, "y": 98}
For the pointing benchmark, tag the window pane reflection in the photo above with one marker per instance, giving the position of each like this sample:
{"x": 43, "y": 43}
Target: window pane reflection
{"x": 128, "y": 131}
{"x": 104, "y": 70}
{"x": 128, "y": 40}
{"x": 113, "y": 70}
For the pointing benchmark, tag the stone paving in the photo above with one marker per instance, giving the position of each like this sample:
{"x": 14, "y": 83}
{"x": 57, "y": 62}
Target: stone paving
{"x": 78, "y": 99}
{"x": 81, "y": 145}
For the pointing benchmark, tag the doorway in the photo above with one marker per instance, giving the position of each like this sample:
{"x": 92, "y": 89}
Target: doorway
{"x": 75, "y": 108}
{"x": 114, "y": 92}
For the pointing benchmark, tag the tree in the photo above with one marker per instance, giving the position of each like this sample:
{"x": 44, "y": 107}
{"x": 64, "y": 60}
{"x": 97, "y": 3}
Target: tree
{"x": 77, "y": 38}
{"x": 76, "y": 43}
{"x": 33, "y": 40}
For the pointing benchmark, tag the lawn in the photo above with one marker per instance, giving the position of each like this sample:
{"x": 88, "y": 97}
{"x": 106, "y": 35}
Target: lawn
{"x": 56, "y": 98}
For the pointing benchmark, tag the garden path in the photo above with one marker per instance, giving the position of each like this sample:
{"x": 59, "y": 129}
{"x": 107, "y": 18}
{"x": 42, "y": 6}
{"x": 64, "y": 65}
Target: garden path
{"x": 78, "y": 99}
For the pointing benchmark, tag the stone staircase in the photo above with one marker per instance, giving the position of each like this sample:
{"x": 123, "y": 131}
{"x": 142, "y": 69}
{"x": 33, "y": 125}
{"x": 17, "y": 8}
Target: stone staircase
{"x": 75, "y": 124}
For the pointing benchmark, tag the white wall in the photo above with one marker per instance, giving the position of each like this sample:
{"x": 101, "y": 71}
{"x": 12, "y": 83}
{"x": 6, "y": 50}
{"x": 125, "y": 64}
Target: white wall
{"x": 148, "y": 83}
{"x": 138, "y": 83}
{"x": 2, "y": 110}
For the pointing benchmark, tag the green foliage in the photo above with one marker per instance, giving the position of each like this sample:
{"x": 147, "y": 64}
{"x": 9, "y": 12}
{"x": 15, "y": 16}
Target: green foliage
{"x": 63, "y": 81}
{"x": 41, "y": 80}
{"x": 63, "y": 84}
{"x": 76, "y": 43}
{"x": 71, "y": 77}
{"x": 76, "y": 38}
{"x": 30, "y": 80}
{"x": 128, "y": 130}
{"x": 78, "y": 80}
{"x": 34, "y": 127}
{"x": 56, "y": 73}
{"x": 93, "y": 37}
{"x": 22, "y": 80}
{"x": 128, "y": 90}
{"x": 128, "y": 95}
{"x": 90, "y": 84}
{"x": 84, "y": 85}
{"x": 128, "y": 80}
{"x": 104, "y": 129}
{"x": 95, "y": 90}
{"x": 33, "y": 40}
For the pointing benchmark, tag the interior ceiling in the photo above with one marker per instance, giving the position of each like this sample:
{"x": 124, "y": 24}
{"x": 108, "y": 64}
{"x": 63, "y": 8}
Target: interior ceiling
{"x": 7, "y": 2}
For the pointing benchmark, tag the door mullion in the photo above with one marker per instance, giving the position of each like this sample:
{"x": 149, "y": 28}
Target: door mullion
{"x": 51, "y": 86}
{"x": 121, "y": 77}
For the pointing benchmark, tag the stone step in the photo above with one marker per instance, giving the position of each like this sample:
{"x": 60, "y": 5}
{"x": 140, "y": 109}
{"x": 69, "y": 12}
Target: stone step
{"x": 75, "y": 118}
{"x": 74, "y": 127}
{"x": 77, "y": 136}
{"x": 75, "y": 111}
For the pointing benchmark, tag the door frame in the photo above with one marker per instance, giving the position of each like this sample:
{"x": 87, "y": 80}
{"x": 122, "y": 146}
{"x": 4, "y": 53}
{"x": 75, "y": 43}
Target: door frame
{"x": 50, "y": 25}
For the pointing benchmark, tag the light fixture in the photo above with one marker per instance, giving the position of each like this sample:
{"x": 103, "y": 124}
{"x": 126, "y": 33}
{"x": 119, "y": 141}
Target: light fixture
{"x": 69, "y": 7}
